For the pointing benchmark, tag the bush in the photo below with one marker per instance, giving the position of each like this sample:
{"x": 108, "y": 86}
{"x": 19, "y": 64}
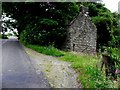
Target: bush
{"x": 114, "y": 53}
{"x": 26, "y": 37}
{"x": 4, "y": 37}
{"x": 43, "y": 37}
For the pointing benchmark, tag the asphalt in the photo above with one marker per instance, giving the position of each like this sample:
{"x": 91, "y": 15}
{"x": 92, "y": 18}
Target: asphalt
{"x": 17, "y": 68}
{"x": 0, "y": 64}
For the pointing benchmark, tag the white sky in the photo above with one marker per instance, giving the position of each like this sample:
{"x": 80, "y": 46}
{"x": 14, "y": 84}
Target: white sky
{"x": 111, "y": 4}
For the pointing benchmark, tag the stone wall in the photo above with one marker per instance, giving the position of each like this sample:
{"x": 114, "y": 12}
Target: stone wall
{"x": 81, "y": 35}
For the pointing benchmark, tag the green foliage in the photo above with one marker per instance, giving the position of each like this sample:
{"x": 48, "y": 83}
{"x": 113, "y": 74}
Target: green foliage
{"x": 9, "y": 34}
{"x": 45, "y": 24}
{"x": 103, "y": 22}
{"x": 45, "y": 21}
{"x": 115, "y": 42}
{"x": 42, "y": 37}
{"x": 89, "y": 75}
{"x": 15, "y": 33}
{"x": 118, "y": 83}
{"x": 4, "y": 36}
{"x": 50, "y": 20}
{"x": 94, "y": 79}
{"x": 114, "y": 53}
{"x": 106, "y": 24}
{"x": 47, "y": 50}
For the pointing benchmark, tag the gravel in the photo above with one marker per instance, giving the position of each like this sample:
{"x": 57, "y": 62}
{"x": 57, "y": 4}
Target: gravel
{"x": 59, "y": 73}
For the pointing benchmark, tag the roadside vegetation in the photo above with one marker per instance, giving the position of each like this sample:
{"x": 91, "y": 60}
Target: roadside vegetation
{"x": 42, "y": 26}
{"x": 47, "y": 50}
{"x": 89, "y": 73}
{"x": 86, "y": 66}
{"x": 4, "y": 37}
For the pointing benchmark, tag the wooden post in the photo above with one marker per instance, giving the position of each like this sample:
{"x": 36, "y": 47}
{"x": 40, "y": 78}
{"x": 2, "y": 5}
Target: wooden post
{"x": 109, "y": 65}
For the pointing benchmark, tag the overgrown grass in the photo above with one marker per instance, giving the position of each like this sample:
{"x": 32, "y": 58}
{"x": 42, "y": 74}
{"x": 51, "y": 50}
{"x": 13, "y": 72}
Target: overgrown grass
{"x": 46, "y": 50}
{"x": 89, "y": 74}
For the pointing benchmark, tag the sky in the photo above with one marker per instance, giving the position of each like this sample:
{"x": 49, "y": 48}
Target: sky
{"x": 112, "y": 5}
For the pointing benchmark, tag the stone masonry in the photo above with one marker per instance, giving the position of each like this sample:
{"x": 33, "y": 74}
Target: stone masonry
{"x": 81, "y": 36}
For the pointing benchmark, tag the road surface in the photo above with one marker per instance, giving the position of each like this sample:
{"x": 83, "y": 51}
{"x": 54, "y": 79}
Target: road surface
{"x": 17, "y": 68}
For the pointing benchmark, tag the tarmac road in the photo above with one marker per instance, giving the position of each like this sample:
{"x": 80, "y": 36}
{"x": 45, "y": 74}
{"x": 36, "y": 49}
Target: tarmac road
{"x": 17, "y": 68}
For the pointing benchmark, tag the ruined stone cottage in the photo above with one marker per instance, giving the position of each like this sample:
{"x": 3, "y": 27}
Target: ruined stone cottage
{"x": 81, "y": 36}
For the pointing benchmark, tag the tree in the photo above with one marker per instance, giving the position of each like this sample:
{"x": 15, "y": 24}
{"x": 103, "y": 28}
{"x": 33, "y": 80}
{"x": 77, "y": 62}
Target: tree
{"x": 105, "y": 21}
{"x": 47, "y": 21}
{"x": 43, "y": 23}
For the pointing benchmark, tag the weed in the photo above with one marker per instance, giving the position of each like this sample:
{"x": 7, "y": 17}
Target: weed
{"x": 89, "y": 75}
{"x": 46, "y": 50}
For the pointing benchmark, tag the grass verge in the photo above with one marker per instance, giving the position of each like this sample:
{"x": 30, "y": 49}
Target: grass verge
{"x": 47, "y": 50}
{"x": 89, "y": 74}
{"x": 85, "y": 65}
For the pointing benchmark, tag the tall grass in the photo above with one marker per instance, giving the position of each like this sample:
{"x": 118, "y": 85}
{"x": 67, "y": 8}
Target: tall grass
{"x": 46, "y": 50}
{"x": 85, "y": 65}
{"x": 89, "y": 74}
